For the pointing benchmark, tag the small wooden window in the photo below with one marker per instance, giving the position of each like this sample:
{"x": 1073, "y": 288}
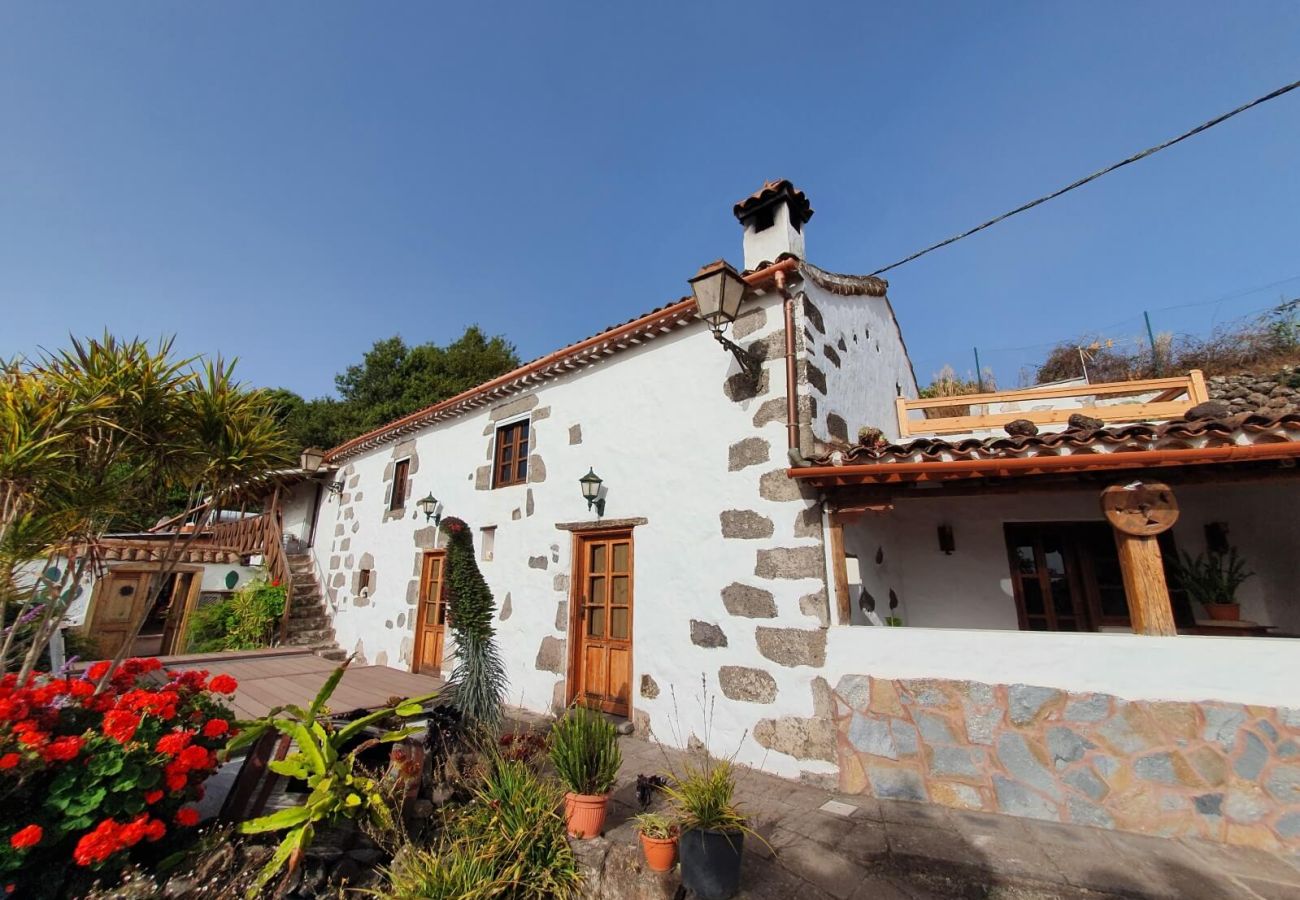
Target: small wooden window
{"x": 401, "y": 471}
{"x": 363, "y": 581}
{"x": 511, "y": 454}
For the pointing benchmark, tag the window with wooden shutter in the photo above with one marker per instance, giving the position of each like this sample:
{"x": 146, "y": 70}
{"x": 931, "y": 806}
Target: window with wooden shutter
{"x": 511, "y": 458}
{"x": 401, "y": 472}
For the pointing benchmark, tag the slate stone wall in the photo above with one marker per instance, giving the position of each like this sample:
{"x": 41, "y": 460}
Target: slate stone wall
{"x": 1273, "y": 394}
{"x": 1220, "y": 771}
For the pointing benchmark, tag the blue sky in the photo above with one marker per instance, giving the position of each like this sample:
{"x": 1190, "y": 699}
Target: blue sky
{"x": 289, "y": 182}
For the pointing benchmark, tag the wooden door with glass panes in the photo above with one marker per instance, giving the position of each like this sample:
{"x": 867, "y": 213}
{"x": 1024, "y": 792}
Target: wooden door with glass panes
{"x": 603, "y": 595}
{"x": 431, "y": 617}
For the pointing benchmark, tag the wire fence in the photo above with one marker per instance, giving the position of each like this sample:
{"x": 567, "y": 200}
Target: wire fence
{"x": 1164, "y": 327}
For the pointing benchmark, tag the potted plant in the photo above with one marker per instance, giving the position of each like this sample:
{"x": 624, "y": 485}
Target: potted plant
{"x": 584, "y": 750}
{"x": 712, "y": 829}
{"x": 1212, "y": 580}
{"x": 658, "y": 841}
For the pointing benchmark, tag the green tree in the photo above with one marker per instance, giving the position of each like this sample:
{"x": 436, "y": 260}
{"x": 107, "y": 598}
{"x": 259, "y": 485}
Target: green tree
{"x": 478, "y": 682}
{"x": 392, "y": 380}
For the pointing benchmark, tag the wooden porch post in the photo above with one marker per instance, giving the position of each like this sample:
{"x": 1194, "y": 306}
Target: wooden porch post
{"x": 1139, "y": 512}
{"x": 839, "y": 572}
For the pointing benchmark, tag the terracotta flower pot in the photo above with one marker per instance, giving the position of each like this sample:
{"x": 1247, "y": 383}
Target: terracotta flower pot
{"x": 1224, "y": 612}
{"x": 660, "y": 853}
{"x": 584, "y": 814}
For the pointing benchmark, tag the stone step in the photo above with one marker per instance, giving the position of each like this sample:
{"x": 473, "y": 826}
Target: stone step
{"x": 312, "y": 636}
{"x": 309, "y": 623}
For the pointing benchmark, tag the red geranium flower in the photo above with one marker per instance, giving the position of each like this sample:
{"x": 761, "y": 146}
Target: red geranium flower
{"x": 215, "y": 728}
{"x": 223, "y": 684}
{"x": 98, "y": 845}
{"x": 96, "y": 671}
{"x": 187, "y": 816}
{"x": 174, "y": 742}
{"x": 26, "y": 837}
{"x": 63, "y": 749}
{"x": 153, "y": 797}
{"x": 155, "y": 830}
{"x": 120, "y": 725}
{"x": 10, "y": 760}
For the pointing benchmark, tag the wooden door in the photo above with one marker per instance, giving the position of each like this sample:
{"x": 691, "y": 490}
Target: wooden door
{"x": 184, "y": 597}
{"x": 1046, "y": 577}
{"x": 603, "y": 598}
{"x": 119, "y": 604}
{"x": 431, "y": 619}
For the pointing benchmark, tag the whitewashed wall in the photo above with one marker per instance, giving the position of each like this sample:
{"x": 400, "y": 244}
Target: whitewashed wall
{"x": 657, "y": 426}
{"x": 854, "y": 344}
{"x": 972, "y": 587}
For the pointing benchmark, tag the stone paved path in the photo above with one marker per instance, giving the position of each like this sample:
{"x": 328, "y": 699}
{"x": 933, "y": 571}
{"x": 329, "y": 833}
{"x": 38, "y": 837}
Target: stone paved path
{"x": 886, "y": 850}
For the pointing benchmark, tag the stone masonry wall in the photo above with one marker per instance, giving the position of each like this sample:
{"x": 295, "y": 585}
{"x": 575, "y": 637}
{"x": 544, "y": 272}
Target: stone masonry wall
{"x": 1220, "y": 771}
{"x": 1274, "y": 394}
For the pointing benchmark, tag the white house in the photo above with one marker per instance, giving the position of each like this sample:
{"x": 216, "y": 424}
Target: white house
{"x": 734, "y": 582}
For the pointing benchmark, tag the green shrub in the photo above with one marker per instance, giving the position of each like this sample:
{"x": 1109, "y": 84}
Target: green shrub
{"x": 584, "y": 750}
{"x": 246, "y": 620}
{"x": 1212, "y": 577}
{"x": 508, "y": 841}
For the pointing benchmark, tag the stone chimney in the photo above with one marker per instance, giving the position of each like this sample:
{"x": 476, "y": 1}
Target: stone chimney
{"x": 773, "y": 218}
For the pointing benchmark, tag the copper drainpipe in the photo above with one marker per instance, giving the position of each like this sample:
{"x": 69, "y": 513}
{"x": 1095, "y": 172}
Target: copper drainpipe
{"x": 791, "y": 388}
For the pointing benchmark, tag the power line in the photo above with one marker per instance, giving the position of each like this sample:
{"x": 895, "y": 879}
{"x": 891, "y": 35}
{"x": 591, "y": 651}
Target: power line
{"x": 1095, "y": 175}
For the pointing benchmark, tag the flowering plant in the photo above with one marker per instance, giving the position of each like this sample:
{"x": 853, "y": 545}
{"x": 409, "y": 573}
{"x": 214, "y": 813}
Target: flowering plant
{"x": 88, "y": 777}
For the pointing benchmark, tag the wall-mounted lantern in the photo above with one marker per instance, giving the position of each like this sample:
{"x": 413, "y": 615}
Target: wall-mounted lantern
{"x": 429, "y": 506}
{"x": 719, "y": 290}
{"x": 311, "y": 459}
{"x": 591, "y": 483}
{"x": 335, "y": 487}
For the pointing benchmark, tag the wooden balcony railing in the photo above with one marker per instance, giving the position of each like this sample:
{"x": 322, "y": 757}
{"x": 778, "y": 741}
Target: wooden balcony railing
{"x": 260, "y": 535}
{"x": 1125, "y": 401}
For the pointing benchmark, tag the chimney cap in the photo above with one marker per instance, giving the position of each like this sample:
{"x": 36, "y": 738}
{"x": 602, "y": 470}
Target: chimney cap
{"x": 772, "y": 192}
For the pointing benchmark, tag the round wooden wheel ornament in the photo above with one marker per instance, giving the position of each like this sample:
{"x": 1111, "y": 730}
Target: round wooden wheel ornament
{"x": 1142, "y": 509}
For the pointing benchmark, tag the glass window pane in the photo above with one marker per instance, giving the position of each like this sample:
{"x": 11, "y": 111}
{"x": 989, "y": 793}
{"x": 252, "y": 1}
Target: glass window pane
{"x": 1033, "y": 595}
{"x": 523, "y": 429}
{"x": 618, "y": 621}
{"x": 596, "y": 592}
{"x": 507, "y": 453}
{"x": 431, "y": 614}
{"x": 622, "y": 554}
{"x": 522, "y": 470}
{"x": 523, "y": 448}
{"x": 1025, "y": 559}
{"x": 596, "y": 621}
{"x": 619, "y": 590}
{"x": 598, "y": 558}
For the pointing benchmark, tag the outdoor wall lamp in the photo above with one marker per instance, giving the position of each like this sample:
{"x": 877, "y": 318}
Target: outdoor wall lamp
{"x": 311, "y": 459}
{"x": 429, "y": 506}
{"x": 718, "y": 290}
{"x": 335, "y": 487}
{"x": 946, "y": 541}
{"x": 591, "y": 491}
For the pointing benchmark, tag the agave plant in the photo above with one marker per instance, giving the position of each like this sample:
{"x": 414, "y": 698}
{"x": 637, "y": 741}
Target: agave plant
{"x": 337, "y": 789}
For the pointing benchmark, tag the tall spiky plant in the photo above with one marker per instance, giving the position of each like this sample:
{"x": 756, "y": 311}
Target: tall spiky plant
{"x": 479, "y": 679}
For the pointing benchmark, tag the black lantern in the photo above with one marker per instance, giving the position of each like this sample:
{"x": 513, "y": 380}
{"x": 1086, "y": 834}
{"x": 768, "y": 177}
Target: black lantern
{"x": 429, "y": 506}
{"x": 719, "y": 290}
{"x": 591, "y": 483}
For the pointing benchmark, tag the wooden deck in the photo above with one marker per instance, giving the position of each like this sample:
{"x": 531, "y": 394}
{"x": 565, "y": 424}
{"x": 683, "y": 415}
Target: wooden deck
{"x": 270, "y": 678}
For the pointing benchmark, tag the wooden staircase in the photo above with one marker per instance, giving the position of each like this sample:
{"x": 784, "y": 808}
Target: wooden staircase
{"x": 309, "y": 620}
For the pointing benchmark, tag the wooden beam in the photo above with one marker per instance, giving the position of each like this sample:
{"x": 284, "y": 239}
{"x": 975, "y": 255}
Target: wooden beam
{"x": 1139, "y": 512}
{"x": 1144, "y": 583}
{"x": 1105, "y": 389}
{"x": 840, "y": 575}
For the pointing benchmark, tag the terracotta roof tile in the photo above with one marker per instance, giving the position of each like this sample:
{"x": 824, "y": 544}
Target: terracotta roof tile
{"x": 800, "y": 209}
{"x": 1251, "y": 428}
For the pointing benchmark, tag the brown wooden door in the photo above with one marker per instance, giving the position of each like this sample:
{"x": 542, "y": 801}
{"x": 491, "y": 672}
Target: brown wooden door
{"x": 431, "y": 619}
{"x": 183, "y": 599}
{"x": 603, "y": 595}
{"x": 119, "y": 604}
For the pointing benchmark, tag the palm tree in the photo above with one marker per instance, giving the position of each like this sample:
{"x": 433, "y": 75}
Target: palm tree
{"x": 109, "y": 428}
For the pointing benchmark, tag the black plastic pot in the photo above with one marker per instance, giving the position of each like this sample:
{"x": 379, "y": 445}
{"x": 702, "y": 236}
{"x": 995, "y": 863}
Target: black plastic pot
{"x": 711, "y": 862}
